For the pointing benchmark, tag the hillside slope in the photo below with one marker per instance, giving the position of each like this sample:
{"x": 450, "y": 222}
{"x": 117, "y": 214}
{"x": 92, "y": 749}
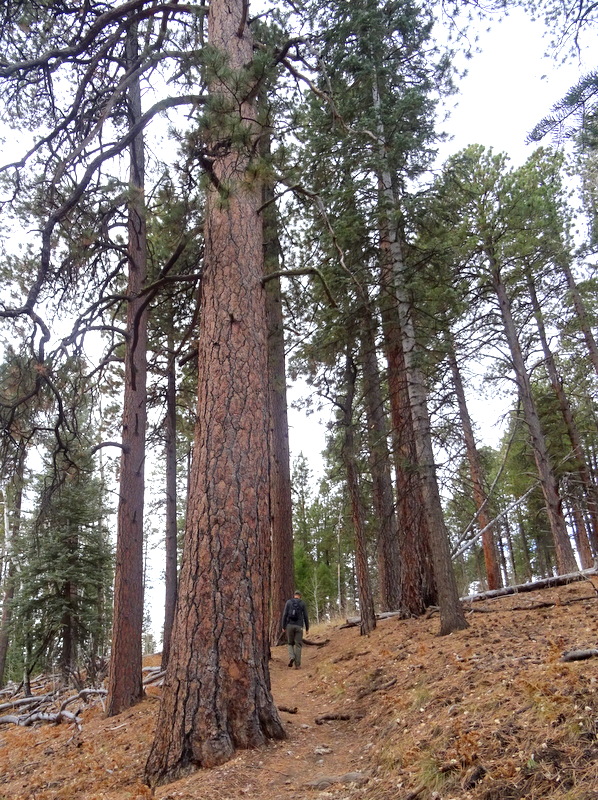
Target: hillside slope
{"x": 490, "y": 713}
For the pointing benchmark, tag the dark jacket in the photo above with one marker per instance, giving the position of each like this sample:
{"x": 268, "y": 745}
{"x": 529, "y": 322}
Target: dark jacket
{"x": 303, "y": 620}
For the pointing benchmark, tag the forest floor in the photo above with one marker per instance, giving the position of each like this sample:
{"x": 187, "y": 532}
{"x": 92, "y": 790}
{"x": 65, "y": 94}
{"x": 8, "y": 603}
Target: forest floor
{"x": 488, "y": 713}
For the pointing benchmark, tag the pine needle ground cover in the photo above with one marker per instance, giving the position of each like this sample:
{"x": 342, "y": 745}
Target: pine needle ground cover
{"x": 489, "y": 713}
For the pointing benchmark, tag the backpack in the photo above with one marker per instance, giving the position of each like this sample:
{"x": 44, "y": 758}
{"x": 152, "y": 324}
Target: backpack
{"x": 295, "y": 613}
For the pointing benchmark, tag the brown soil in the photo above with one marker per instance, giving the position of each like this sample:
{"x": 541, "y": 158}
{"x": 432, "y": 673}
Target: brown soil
{"x": 490, "y": 713}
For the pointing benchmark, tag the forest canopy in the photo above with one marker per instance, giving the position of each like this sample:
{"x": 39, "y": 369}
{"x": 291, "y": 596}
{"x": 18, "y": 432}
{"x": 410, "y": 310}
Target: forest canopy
{"x": 201, "y": 203}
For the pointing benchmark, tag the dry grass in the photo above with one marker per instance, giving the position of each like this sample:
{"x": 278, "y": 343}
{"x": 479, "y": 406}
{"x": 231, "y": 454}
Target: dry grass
{"x": 490, "y": 713}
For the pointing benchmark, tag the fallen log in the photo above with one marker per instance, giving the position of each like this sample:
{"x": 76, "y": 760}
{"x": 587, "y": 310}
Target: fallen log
{"x": 579, "y": 655}
{"x": 542, "y": 583}
{"x": 532, "y": 586}
{"x": 37, "y": 699}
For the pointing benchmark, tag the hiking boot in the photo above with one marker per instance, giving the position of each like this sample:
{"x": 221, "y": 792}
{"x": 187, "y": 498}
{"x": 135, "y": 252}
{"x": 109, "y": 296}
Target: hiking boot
{"x": 291, "y": 662}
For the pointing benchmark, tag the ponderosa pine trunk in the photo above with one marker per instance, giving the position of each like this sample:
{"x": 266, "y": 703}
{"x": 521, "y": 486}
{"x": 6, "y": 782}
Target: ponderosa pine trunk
{"x": 418, "y": 589}
{"x": 281, "y": 507}
{"x": 389, "y": 564}
{"x": 564, "y": 552}
{"x": 170, "y": 538}
{"x": 364, "y": 590}
{"x": 452, "y": 617}
{"x": 589, "y": 488}
{"x": 475, "y": 470}
{"x": 582, "y": 315}
{"x": 216, "y": 696}
{"x": 125, "y": 677}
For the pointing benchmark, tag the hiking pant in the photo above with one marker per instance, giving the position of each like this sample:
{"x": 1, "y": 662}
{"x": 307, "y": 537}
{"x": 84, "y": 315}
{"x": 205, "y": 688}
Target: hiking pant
{"x": 295, "y": 642}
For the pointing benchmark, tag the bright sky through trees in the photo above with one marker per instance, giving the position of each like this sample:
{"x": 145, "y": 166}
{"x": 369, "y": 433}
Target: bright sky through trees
{"x": 510, "y": 85}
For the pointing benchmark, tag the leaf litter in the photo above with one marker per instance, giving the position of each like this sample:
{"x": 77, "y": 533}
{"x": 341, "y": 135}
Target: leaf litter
{"x": 489, "y": 713}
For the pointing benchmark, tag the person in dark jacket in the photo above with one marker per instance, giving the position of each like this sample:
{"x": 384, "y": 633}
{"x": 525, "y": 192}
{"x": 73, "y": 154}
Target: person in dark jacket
{"x": 294, "y": 618}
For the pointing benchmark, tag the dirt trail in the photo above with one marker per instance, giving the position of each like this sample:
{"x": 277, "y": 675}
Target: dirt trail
{"x": 314, "y": 758}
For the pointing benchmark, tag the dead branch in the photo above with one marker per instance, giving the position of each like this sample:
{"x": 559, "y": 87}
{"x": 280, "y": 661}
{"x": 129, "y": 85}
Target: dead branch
{"x": 331, "y": 717}
{"x": 312, "y": 643}
{"x": 287, "y": 709}
{"x": 155, "y": 676}
{"x": 83, "y": 695}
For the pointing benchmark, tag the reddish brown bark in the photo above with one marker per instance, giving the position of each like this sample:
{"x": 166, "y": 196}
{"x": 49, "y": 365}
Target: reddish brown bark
{"x": 589, "y": 488}
{"x": 125, "y": 679}
{"x": 475, "y": 470}
{"x": 281, "y": 508}
{"x": 216, "y": 696}
{"x": 417, "y": 580}
{"x": 452, "y": 617}
{"x": 389, "y": 565}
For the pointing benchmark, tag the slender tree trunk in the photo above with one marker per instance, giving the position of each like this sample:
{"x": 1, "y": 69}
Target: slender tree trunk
{"x": 389, "y": 566}
{"x": 171, "y": 538}
{"x": 124, "y": 681}
{"x": 216, "y": 697}
{"x": 281, "y": 506}
{"x": 13, "y": 524}
{"x": 582, "y": 316}
{"x": 366, "y": 600}
{"x": 580, "y": 534}
{"x": 589, "y": 488}
{"x": 475, "y": 470}
{"x": 564, "y": 552}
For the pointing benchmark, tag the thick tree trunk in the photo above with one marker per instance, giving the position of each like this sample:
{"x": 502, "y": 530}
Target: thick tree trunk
{"x": 364, "y": 590}
{"x": 170, "y": 572}
{"x": 389, "y": 565}
{"x": 589, "y": 488}
{"x": 216, "y": 696}
{"x": 124, "y": 681}
{"x": 475, "y": 470}
{"x": 564, "y": 552}
{"x": 281, "y": 507}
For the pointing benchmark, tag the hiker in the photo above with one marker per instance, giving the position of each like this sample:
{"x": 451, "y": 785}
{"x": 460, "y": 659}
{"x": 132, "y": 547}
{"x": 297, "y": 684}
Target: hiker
{"x": 293, "y": 620}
